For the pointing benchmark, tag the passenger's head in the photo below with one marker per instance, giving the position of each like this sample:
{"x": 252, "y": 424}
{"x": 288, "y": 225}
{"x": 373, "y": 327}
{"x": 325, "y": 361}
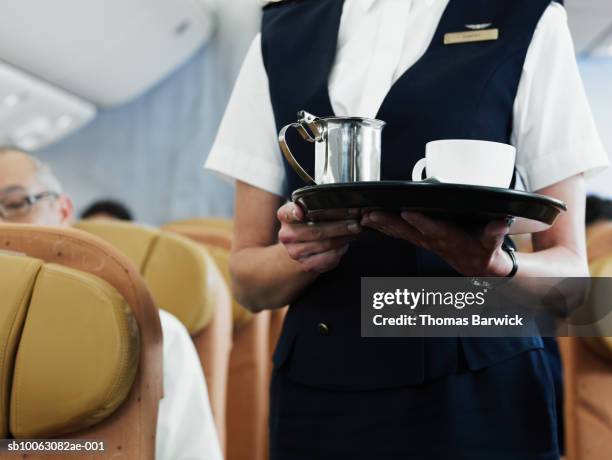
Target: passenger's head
{"x": 598, "y": 209}
{"x": 107, "y": 209}
{"x": 29, "y": 192}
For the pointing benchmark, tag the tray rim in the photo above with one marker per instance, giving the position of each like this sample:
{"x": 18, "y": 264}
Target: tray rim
{"x": 529, "y": 196}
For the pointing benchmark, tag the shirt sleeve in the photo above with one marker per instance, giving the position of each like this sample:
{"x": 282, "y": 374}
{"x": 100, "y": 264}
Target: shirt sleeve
{"x": 185, "y": 426}
{"x": 245, "y": 148}
{"x": 554, "y": 130}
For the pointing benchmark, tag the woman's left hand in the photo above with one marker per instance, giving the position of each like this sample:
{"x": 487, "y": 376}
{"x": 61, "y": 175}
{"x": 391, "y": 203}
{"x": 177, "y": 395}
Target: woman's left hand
{"x": 471, "y": 254}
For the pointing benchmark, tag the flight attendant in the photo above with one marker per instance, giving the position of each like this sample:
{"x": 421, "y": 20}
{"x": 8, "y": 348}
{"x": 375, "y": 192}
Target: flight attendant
{"x": 334, "y": 394}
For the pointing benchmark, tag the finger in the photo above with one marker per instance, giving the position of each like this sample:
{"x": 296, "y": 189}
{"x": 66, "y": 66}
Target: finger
{"x": 290, "y": 213}
{"x": 325, "y": 261}
{"x": 381, "y": 218}
{"x": 494, "y": 233}
{"x": 393, "y": 226}
{"x": 303, "y": 233}
{"x": 335, "y": 214}
{"x": 302, "y": 250}
{"x": 432, "y": 228}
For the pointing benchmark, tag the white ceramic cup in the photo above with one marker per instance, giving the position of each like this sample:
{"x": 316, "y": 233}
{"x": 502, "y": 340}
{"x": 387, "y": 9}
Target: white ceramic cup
{"x": 464, "y": 161}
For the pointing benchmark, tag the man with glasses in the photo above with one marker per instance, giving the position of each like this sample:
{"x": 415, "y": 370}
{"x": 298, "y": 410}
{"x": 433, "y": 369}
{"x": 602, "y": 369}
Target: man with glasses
{"x": 30, "y": 193}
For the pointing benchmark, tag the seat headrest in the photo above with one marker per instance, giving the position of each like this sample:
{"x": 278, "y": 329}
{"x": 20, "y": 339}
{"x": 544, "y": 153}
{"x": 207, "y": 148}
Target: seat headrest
{"x": 180, "y": 274}
{"x": 134, "y": 241}
{"x": 205, "y": 222}
{"x": 216, "y": 235}
{"x": 73, "y": 348}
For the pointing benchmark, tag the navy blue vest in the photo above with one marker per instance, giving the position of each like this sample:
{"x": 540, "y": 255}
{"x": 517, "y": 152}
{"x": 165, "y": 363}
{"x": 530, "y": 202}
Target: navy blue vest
{"x": 463, "y": 91}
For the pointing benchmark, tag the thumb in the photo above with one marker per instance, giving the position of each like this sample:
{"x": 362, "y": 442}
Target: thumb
{"x": 494, "y": 233}
{"x": 290, "y": 213}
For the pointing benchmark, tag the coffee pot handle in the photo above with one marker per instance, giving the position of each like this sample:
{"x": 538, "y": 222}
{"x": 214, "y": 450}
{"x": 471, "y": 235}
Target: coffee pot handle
{"x": 282, "y": 142}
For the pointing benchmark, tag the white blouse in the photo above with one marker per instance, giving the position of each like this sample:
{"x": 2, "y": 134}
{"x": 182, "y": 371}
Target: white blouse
{"x": 554, "y": 131}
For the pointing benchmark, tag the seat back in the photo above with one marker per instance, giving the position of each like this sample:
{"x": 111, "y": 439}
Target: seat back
{"x": 599, "y": 240}
{"x": 83, "y": 355}
{"x": 216, "y": 236}
{"x": 588, "y": 374}
{"x": 249, "y": 366}
{"x": 185, "y": 281}
{"x": 209, "y": 223}
{"x": 180, "y": 274}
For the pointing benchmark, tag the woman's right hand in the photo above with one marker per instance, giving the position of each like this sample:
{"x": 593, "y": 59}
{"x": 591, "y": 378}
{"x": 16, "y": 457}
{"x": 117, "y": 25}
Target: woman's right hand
{"x": 318, "y": 247}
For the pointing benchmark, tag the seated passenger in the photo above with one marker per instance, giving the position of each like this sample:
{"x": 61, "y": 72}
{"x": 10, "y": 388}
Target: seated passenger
{"x": 30, "y": 193}
{"x": 107, "y": 209}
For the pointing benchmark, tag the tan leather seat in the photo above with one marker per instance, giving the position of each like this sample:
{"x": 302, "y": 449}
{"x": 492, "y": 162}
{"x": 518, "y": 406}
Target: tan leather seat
{"x": 82, "y": 354}
{"x": 180, "y": 275}
{"x": 218, "y": 240}
{"x": 185, "y": 281}
{"x": 599, "y": 240}
{"x": 588, "y": 374}
{"x": 249, "y": 374}
{"x": 208, "y": 223}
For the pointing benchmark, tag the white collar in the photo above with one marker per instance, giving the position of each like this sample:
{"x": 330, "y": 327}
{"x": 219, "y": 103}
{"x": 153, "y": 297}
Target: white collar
{"x": 367, "y": 4}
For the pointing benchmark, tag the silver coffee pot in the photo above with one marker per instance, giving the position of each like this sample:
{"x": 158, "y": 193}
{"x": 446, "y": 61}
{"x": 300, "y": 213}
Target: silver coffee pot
{"x": 347, "y": 149}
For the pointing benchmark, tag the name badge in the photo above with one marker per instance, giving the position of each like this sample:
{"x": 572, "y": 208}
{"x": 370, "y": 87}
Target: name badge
{"x": 471, "y": 36}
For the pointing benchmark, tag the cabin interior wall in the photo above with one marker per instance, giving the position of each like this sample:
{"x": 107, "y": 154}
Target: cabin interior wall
{"x": 150, "y": 152}
{"x": 597, "y": 75}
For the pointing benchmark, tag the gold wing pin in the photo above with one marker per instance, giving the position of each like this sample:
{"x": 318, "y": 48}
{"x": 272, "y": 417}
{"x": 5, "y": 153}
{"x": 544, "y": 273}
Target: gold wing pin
{"x": 478, "y": 26}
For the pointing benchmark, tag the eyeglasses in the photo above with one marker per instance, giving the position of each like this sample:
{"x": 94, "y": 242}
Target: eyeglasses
{"x": 18, "y": 203}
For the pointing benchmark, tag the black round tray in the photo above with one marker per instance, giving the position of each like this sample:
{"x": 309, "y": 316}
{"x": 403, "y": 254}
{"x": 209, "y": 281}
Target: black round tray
{"x": 466, "y": 204}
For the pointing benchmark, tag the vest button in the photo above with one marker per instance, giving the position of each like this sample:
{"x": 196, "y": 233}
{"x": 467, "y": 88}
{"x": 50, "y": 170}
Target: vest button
{"x": 323, "y": 329}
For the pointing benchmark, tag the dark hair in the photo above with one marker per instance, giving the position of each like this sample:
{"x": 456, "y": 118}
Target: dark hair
{"x": 598, "y": 208}
{"x": 111, "y": 207}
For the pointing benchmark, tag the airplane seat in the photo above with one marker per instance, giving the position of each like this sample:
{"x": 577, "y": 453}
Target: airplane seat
{"x": 599, "y": 240}
{"x": 76, "y": 319}
{"x": 216, "y": 234}
{"x": 173, "y": 268}
{"x": 588, "y": 373}
{"x": 184, "y": 280}
{"x": 250, "y": 361}
{"x": 208, "y": 223}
